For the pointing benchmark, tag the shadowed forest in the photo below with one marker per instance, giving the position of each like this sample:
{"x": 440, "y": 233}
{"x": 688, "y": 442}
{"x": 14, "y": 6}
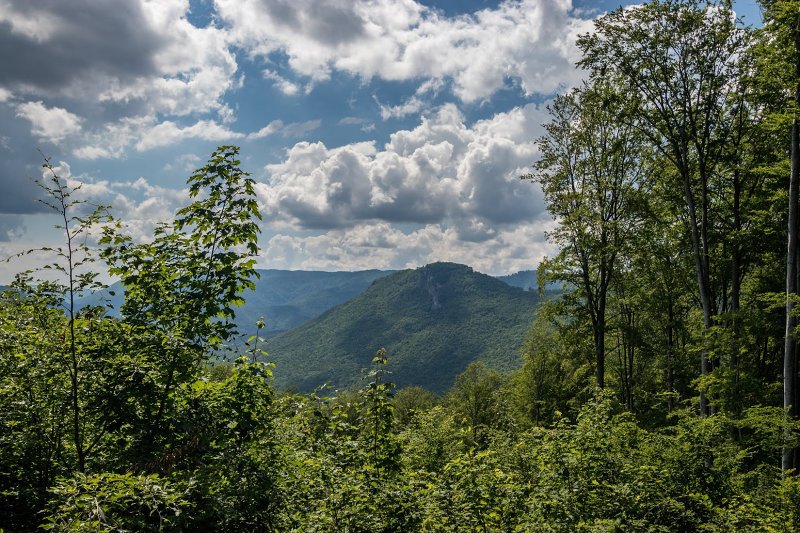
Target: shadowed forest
{"x": 657, "y": 390}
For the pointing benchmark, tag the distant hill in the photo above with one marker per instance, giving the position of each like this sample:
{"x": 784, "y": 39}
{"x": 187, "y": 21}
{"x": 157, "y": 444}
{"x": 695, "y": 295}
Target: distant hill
{"x": 433, "y": 321}
{"x": 524, "y": 279}
{"x": 287, "y": 298}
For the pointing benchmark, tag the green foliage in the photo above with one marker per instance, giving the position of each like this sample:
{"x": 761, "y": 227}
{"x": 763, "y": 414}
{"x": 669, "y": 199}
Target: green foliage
{"x": 341, "y": 460}
{"x": 228, "y": 450}
{"x": 189, "y": 279}
{"x": 476, "y": 400}
{"x": 108, "y": 502}
{"x": 84, "y": 392}
{"x": 553, "y": 372}
{"x": 409, "y": 401}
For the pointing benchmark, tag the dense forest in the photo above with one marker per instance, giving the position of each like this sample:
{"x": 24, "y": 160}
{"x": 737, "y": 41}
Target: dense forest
{"x": 658, "y": 392}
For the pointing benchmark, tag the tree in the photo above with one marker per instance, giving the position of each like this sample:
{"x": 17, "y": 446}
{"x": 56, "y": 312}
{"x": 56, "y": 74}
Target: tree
{"x": 181, "y": 289}
{"x": 778, "y": 64}
{"x": 589, "y": 172}
{"x": 679, "y": 61}
{"x": 83, "y": 392}
{"x": 474, "y": 399}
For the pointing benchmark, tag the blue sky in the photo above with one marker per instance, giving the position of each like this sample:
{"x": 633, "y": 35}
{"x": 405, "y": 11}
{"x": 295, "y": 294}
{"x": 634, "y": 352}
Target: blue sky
{"x": 382, "y": 133}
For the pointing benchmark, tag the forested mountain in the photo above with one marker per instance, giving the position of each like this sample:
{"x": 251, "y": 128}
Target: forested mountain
{"x": 433, "y": 321}
{"x": 285, "y": 298}
{"x": 288, "y": 298}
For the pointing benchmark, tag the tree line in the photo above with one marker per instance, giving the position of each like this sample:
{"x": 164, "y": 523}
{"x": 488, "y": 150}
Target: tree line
{"x": 672, "y": 173}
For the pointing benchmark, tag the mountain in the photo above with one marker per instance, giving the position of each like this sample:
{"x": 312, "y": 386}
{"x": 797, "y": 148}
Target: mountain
{"x": 287, "y": 298}
{"x": 524, "y": 279}
{"x": 433, "y": 321}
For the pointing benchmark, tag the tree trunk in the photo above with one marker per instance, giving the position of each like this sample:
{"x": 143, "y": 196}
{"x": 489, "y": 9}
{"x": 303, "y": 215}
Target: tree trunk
{"x": 700, "y": 259}
{"x": 600, "y": 350}
{"x": 790, "y": 343}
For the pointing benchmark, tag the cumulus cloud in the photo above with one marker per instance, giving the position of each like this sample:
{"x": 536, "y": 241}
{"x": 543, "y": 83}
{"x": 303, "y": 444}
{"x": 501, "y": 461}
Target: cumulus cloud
{"x": 352, "y": 121}
{"x": 381, "y": 245}
{"x": 145, "y": 133}
{"x": 11, "y": 227}
{"x": 363, "y": 124}
{"x": 440, "y": 171}
{"x": 416, "y": 103}
{"x": 111, "y": 71}
{"x": 184, "y": 162}
{"x": 139, "y": 204}
{"x": 139, "y": 51}
{"x": 72, "y": 42}
{"x": 49, "y": 123}
{"x": 285, "y": 86}
{"x": 531, "y": 42}
{"x": 411, "y": 106}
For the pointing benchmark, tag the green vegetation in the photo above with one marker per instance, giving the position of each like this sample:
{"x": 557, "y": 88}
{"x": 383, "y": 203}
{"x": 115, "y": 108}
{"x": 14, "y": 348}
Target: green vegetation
{"x": 434, "y": 321}
{"x": 657, "y": 392}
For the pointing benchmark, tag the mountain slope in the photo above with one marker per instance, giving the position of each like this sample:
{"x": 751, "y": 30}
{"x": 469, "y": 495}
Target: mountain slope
{"x": 287, "y": 298}
{"x": 433, "y": 321}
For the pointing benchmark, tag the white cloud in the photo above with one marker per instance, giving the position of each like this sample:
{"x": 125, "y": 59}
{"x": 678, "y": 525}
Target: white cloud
{"x": 193, "y": 67}
{"x": 118, "y": 69}
{"x": 440, "y": 172}
{"x": 293, "y": 129}
{"x": 270, "y": 129}
{"x": 383, "y": 246}
{"x": 168, "y": 132}
{"x": 411, "y": 106}
{"x": 139, "y": 204}
{"x": 352, "y": 121}
{"x": 184, "y": 162}
{"x": 114, "y": 138}
{"x": 298, "y": 129}
{"x": 415, "y": 103}
{"x": 529, "y": 41}
{"x": 37, "y": 26}
{"x": 49, "y": 123}
{"x": 285, "y": 86}
{"x": 11, "y": 227}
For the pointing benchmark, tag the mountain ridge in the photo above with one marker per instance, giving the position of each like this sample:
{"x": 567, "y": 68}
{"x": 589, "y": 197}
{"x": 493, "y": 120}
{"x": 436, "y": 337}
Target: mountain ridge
{"x": 289, "y": 298}
{"x": 433, "y": 321}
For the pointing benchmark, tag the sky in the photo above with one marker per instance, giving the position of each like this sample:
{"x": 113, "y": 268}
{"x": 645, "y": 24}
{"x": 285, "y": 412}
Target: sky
{"x": 381, "y": 133}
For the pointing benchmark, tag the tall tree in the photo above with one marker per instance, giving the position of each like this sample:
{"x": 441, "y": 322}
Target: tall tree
{"x": 589, "y": 171}
{"x": 679, "y": 59}
{"x": 779, "y": 69}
